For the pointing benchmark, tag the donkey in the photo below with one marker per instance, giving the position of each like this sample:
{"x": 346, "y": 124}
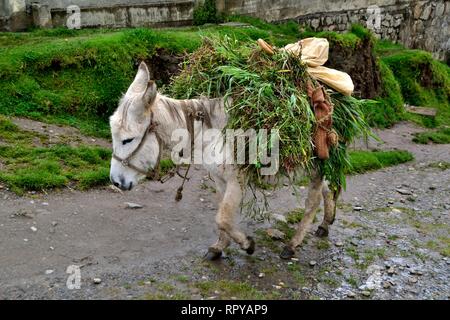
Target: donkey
{"x": 143, "y": 125}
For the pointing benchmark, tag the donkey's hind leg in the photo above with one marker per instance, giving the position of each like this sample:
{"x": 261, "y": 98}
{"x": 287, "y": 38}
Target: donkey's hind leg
{"x": 312, "y": 202}
{"x": 329, "y": 203}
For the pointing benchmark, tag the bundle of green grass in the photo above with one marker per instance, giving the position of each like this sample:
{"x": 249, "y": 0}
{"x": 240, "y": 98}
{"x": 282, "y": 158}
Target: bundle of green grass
{"x": 269, "y": 92}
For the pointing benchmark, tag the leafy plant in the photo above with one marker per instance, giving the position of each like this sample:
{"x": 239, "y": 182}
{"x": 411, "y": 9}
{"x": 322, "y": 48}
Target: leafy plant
{"x": 206, "y": 13}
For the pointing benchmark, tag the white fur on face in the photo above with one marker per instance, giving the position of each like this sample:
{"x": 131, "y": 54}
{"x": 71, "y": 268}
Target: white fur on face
{"x": 130, "y": 121}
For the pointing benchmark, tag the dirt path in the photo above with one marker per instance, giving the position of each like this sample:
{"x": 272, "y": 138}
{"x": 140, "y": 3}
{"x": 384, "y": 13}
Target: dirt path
{"x": 394, "y": 247}
{"x": 59, "y": 134}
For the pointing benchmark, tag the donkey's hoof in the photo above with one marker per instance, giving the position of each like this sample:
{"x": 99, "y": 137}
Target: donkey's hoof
{"x": 321, "y": 232}
{"x": 213, "y": 254}
{"x": 251, "y": 247}
{"x": 287, "y": 253}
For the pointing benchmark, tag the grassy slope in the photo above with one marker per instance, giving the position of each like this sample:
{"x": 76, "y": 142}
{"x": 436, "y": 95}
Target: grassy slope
{"x": 423, "y": 81}
{"x": 29, "y": 162}
{"x": 76, "y": 77}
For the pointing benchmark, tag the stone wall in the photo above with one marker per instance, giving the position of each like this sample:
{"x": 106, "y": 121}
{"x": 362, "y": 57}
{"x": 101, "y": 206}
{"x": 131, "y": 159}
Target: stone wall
{"x": 414, "y": 23}
{"x": 420, "y": 24}
{"x": 13, "y": 15}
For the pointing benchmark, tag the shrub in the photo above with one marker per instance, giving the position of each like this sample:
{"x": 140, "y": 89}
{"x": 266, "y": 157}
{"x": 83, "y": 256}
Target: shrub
{"x": 206, "y": 13}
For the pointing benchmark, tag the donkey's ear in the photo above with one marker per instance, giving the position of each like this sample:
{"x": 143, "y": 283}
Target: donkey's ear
{"x": 150, "y": 93}
{"x": 141, "y": 80}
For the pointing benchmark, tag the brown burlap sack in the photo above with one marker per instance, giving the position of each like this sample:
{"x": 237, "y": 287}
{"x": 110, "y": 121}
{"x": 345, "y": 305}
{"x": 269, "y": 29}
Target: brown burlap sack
{"x": 324, "y": 136}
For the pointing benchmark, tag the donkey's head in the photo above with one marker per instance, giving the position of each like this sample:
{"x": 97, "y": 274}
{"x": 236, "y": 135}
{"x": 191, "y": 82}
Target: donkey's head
{"x": 135, "y": 144}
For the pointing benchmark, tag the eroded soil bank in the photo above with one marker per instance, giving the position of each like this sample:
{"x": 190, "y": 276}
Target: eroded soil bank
{"x": 394, "y": 246}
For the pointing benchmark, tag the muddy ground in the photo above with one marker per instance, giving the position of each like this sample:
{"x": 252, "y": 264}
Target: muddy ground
{"x": 390, "y": 240}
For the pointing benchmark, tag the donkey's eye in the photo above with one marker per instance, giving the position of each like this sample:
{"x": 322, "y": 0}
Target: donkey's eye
{"x": 124, "y": 142}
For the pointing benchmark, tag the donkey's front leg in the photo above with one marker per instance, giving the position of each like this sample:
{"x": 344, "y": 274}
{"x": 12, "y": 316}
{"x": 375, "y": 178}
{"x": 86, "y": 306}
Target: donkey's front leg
{"x": 224, "y": 240}
{"x": 225, "y": 218}
{"x": 329, "y": 203}
{"x": 312, "y": 202}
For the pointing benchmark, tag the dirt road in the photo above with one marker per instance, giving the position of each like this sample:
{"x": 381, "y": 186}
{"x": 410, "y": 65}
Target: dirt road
{"x": 390, "y": 240}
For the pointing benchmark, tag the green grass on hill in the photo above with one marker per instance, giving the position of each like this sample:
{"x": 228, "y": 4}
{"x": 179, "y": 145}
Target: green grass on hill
{"x": 28, "y": 162}
{"x": 423, "y": 81}
{"x": 363, "y": 161}
{"x": 77, "y": 77}
{"x": 441, "y": 136}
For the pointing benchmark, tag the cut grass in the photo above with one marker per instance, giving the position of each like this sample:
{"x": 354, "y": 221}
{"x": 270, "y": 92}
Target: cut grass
{"x": 440, "y": 136}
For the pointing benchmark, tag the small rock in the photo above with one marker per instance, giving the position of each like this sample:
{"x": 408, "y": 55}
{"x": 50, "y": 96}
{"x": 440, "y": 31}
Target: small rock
{"x": 49, "y": 271}
{"x": 357, "y": 208}
{"x": 97, "y": 280}
{"x": 312, "y": 263}
{"x": 395, "y": 210}
{"x": 404, "y": 192}
{"x": 132, "y": 205}
{"x": 412, "y": 280}
{"x": 34, "y": 229}
{"x": 354, "y": 242}
{"x": 44, "y": 203}
{"x": 366, "y": 293}
{"x": 339, "y": 244}
{"x": 351, "y": 294}
{"x": 275, "y": 234}
{"x": 416, "y": 272}
{"x": 386, "y": 285}
{"x": 294, "y": 259}
{"x": 277, "y": 287}
{"x": 54, "y": 223}
{"x": 391, "y": 271}
{"x": 261, "y": 275}
{"x": 279, "y": 217}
